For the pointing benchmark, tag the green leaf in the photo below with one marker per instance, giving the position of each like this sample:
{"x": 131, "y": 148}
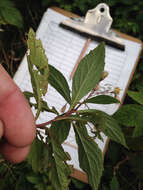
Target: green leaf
{"x": 129, "y": 115}
{"x": 38, "y": 60}
{"x": 34, "y": 157}
{"x": 110, "y": 127}
{"x": 38, "y": 68}
{"x": 138, "y": 131}
{"x": 103, "y": 99}
{"x": 88, "y": 73}
{"x": 77, "y": 118}
{"x": 22, "y": 182}
{"x": 60, "y": 130}
{"x": 40, "y": 186}
{"x": 59, "y": 171}
{"x": 107, "y": 124}
{"x": 2, "y": 21}
{"x": 39, "y": 156}
{"x": 58, "y": 81}
{"x": 10, "y": 14}
{"x": 114, "y": 184}
{"x": 34, "y": 178}
{"x": 90, "y": 156}
{"x": 28, "y": 94}
{"x": 137, "y": 96}
{"x": 45, "y": 107}
{"x": 78, "y": 184}
{"x": 40, "y": 181}
{"x": 53, "y": 110}
{"x": 132, "y": 116}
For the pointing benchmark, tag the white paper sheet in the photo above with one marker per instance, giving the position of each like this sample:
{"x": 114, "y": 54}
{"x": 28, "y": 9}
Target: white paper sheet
{"x": 63, "y": 48}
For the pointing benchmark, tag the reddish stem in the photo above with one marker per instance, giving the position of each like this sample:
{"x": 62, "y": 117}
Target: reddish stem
{"x": 42, "y": 125}
{"x": 68, "y": 113}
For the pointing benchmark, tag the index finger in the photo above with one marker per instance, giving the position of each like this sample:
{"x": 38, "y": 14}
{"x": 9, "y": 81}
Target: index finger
{"x": 1, "y": 129}
{"x": 15, "y": 113}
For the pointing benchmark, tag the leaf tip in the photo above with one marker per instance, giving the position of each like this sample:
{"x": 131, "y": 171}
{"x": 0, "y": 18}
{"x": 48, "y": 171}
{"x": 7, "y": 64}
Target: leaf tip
{"x": 31, "y": 33}
{"x": 102, "y": 44}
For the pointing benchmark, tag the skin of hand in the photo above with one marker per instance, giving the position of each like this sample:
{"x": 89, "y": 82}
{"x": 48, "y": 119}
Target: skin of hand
{"x": 17, "y": 124}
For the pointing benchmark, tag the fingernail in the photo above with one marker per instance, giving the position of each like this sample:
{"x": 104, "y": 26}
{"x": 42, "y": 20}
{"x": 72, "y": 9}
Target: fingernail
{"x": 1, "y": 129}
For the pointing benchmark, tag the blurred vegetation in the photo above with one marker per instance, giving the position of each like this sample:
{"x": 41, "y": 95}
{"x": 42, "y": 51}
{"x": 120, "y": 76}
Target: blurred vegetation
{"x": 123, "y": 169}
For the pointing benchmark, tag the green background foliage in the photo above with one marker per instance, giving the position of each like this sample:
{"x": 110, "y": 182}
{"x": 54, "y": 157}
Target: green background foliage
{"x": 123, "y": 169}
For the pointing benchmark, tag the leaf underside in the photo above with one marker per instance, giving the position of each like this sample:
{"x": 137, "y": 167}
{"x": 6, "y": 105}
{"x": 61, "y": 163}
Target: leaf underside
{"x": 38, "y": 68}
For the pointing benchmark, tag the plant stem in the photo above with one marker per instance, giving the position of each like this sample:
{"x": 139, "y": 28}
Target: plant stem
{"x": 63, "y": 116}
{"x": 57, "y": 118}
{"x": 120, "y": 163}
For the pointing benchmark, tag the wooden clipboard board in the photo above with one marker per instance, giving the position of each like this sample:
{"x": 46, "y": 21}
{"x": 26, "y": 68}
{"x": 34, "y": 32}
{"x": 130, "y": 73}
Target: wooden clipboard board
{"x": 76, "y": 173}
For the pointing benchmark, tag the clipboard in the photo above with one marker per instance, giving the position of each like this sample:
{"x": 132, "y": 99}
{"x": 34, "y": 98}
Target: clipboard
{"x": 22, "y": 76}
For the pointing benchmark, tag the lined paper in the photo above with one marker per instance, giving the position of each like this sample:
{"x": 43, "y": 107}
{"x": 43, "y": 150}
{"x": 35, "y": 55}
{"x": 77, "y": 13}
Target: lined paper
{"x": 63, "y": 48}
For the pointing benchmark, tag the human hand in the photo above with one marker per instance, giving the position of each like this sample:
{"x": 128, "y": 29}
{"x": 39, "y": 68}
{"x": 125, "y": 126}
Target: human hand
{"x": 16, "y": 120}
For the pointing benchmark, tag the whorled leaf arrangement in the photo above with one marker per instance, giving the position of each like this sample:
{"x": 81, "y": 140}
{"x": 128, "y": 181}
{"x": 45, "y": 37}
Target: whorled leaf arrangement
{"x": 48, "y": 155}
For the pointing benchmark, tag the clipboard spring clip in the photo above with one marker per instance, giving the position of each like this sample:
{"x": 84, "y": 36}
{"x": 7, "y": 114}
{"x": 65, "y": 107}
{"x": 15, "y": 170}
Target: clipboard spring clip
{"x": 96, "y": 25}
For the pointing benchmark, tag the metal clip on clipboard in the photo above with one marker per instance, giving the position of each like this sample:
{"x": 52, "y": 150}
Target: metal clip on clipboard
{"x": 96, "y": 25}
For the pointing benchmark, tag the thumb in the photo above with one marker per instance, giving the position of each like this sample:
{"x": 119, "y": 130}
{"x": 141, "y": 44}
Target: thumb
{"x": 1, "y": 129}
